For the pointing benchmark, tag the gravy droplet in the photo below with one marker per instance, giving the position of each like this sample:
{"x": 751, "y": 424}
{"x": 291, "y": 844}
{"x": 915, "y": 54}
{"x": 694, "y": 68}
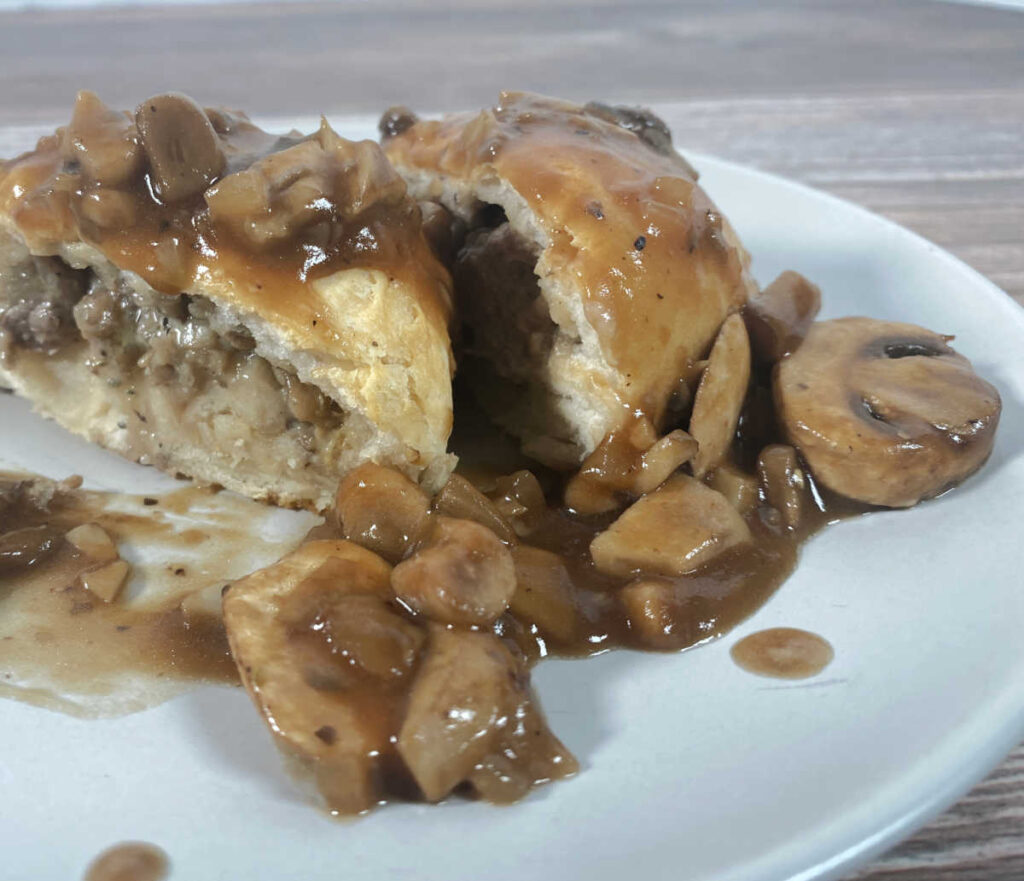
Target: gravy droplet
{"x": 129, "y": 861}
{"x": 783, "y": 653}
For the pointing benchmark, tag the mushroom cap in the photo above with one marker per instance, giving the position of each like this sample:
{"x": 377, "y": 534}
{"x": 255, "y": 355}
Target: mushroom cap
{"x": 885, "y": 413}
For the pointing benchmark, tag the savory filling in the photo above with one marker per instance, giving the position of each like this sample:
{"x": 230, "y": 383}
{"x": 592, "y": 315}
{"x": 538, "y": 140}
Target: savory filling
{"x": 508, "y": 338}
{"x": 505, "y": 319}
{"x": 169, "y": 360}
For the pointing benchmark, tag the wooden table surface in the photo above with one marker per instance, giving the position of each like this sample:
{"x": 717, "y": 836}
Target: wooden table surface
{"x": 914, "y": 109}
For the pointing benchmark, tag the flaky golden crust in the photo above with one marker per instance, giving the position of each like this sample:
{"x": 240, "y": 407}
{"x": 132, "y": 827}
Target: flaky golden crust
{"x": 330, "y": 273}
{"x": 623, "y": 229}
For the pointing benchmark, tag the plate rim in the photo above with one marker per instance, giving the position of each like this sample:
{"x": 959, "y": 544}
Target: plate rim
{"x": 987, "y": 754}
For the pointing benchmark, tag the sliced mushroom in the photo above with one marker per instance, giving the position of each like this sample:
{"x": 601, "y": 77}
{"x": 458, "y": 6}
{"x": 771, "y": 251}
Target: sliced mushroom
{"x": 738, "y": 487}
{"x": 662, "y": 459}
{"x": 544, "y": 595}
{"x": 184, "y": 152}
{"x": 463, "y": 704}
{"x": 103, "y": 142}
{"x": 462, "y": 575}
{"x": 365, "y": 631}
{"x": 676, "y": 529}
{"x": 519, "y": 499}
{"x": 459, "y": 498}
{"x": 630, "y": 461}
{"x": 653, "y": 609}
{"x": 381, "y": 510}
{"x": 529, "y": 754}
{"x": 885, "y": 413}
{"x": 720, "y": 395}
{"x": 782, "y": 482}
{"x": 779, "y": 317}
{"x": 324, "y": 657}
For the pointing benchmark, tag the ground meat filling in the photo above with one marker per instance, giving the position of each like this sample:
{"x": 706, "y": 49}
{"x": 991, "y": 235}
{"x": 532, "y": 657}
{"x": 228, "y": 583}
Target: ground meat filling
{"x": 176, "y": 343}
{"x": 505, "y": 319}
{"x": 41, "y": 295}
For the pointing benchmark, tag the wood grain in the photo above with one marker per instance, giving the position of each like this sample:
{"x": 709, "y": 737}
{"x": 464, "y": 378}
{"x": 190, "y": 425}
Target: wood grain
{"x": 914, "y": 109}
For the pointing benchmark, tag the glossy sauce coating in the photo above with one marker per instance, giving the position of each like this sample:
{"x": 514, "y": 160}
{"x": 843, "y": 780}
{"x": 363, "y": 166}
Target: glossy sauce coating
{"x": 658, "y": 265}
{"x": 353, "y": 213}
{"x": 382, "y": 694}
{"x": 63, "y": 647}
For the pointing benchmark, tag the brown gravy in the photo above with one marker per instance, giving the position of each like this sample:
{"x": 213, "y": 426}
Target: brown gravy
{"x": 129, "y": 861}
{"x": 178, "y": 245}
{"x": 783, "y": 653}
{"x": 712, "y": 601}
{"x": 64, "y": 648}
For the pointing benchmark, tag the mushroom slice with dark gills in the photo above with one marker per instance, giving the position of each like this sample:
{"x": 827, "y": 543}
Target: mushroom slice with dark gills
{"x": 885, "y": 413}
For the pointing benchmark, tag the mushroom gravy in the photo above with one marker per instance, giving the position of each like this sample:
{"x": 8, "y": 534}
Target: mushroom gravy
{"x": 65, "y": 647}
{"x": 390, "y": 654}
{"x": 177, "y": 192}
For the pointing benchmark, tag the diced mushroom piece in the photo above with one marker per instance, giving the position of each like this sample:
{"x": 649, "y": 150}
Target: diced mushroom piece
{"x": 459, "y": 498}
{"x": 103, "y": 142}
{"x": 662, "y": 459}
{"x": 779, "y": 317}
{"x": 544, "y": 593}
{"x": 27, "y": 547}
{"x": 462, "y": 575}
{"x": 106, "y": 581}
{"x": 366, "y": 632}
{"x": 289, "y": 627}
{"x": 184, "y": 152}
{"x": 676, "y": 529}
{"x": 462, "y": 704}
{"x": 381, "y": 510}
{"x": 92, "y": 541}
{"x": 519, "y": 498}
{"x": 653, "y": 608}
{"x": 610, "y": 473}
{"x": 586, "y": 496}
{"x": 885, "y": 413}
{"x": 307, "y": 191}
{"x": 783, "y": 482}
{"x": 739, "y": 488}
{"x": 529, "y": 754}
{"x": 720, "y": 395}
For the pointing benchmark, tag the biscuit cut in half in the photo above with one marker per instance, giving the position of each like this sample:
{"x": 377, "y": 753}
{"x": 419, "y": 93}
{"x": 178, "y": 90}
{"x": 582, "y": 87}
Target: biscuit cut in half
{"x": 591, "y": 271}
{"x": 256, "y": 311}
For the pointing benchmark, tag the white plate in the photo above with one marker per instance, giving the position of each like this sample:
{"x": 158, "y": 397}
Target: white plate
{"x": 692, "y": 768}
